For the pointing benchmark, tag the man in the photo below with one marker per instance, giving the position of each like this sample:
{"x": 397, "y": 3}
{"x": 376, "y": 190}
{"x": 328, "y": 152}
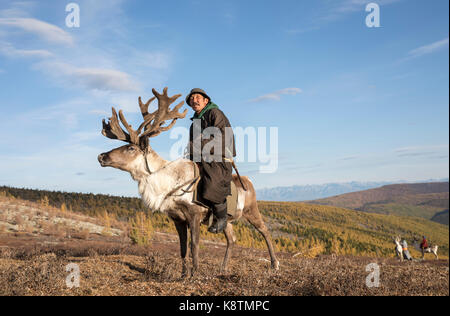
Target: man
{"x": 213, "y": 161}
{"x": 423, "y": 246}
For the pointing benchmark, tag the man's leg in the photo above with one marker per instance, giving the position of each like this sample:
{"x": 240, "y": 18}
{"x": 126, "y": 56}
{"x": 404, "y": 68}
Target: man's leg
{"x": 220, "y": 213}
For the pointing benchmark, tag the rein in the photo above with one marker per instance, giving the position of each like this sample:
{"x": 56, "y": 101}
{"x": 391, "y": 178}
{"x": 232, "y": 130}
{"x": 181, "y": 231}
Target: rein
{"x": 192, "y": 184}
{"x": 146, "y": 164}
{"x": 148, "y": 168}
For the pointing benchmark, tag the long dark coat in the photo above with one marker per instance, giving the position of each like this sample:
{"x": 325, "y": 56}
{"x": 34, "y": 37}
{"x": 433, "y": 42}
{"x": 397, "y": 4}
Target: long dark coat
{"x": 216, "y": 177}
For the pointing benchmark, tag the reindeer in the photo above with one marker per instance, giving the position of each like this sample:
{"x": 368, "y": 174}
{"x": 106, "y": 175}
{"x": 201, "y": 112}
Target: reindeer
{"x": 398, "y": 248}
{"x": 165, "y": 186}
{"x": 431, "y": 249}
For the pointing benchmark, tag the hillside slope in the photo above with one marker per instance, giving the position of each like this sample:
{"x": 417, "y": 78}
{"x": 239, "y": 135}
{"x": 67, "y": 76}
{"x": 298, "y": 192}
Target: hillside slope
{"x": 441, "y": 217}
{"x": 342, "y": 231}
{"x": 417, "y": 199}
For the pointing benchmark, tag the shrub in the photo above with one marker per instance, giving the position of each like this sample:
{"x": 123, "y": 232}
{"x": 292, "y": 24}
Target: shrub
{"x": 106, "y": 223}
{"x": 44, "y": 201}
{"x": 141, "y": 229}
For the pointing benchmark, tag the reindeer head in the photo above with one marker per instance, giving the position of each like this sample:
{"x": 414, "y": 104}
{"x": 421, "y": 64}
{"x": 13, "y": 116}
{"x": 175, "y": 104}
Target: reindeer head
{"x": 130, "y": 157}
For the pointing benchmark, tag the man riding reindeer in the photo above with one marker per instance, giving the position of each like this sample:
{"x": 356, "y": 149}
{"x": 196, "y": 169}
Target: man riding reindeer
{"x": 211, "y": 146}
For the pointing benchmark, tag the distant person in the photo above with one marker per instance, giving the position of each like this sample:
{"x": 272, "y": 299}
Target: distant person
{"x": 424, "y": 246}
{"x": 406, "y": 253}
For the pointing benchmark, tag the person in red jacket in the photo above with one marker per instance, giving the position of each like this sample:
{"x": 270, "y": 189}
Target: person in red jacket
{"x": 423, "y": 246}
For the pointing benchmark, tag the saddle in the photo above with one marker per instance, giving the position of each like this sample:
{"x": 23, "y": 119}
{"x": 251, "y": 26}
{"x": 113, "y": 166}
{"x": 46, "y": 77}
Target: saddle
{"x": 197, "y": 198}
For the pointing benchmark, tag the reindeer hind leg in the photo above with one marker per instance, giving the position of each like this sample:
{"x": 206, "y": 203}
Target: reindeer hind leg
{"x": 194, "y": 226}
{"x": 253, "y": 215}
{"x": 231, "y": 239}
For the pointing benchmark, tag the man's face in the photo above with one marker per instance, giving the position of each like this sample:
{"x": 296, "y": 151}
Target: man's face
{"x": 198, "y": 102}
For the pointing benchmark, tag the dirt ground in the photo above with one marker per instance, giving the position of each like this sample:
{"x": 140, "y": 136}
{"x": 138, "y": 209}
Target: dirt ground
{"x": 36, "y": 265}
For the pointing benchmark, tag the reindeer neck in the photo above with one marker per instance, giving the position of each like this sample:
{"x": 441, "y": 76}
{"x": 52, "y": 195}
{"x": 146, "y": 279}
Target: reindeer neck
{"x": 154, "y": 161}
{"x": 150, "y": 164}
{"x": 154, "y": 186}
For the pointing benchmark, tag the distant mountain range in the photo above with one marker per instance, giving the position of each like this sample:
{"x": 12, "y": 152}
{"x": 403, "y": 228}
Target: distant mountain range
{"x": 313, "y": 192}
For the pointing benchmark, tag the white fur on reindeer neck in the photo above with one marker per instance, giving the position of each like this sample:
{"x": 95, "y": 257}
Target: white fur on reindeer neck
{"x": 162, "y": 177}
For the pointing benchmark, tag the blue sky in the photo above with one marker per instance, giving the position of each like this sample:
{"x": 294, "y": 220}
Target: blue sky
{"x": 351, "y": 103}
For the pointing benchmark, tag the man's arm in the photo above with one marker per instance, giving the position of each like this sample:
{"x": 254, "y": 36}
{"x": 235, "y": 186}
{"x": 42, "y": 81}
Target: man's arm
{"x": 219, "y": 120}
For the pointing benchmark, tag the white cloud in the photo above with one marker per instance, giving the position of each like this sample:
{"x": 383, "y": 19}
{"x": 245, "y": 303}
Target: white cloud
{"x": 413, "y": 149}
{"x": 80, "y": 137}
{"x": 332, "y": 11}
{"x": 125, "y": 102}
{"x": 347, "y": 158}
{"x": 17, "y": 9}
{"x": 302, "y": 30}
{"x": 44, "y": 30}
{"x": 276, "y": 96}
{"x": 89, "y": 65}
{"x": 9, "y": 50}
{"x": 423, "y": 152}
{"x": 64, "y": 116}
{"x": 348, "y": 6}
{"x": 99, "y": 112}
{"x": 155, "y": 60}
{"x": 90, "y": 78}
{"x": 428, "y": 49}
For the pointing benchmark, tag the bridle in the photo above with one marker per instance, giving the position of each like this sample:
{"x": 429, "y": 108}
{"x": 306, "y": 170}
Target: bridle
{"x": 146, "y": 162}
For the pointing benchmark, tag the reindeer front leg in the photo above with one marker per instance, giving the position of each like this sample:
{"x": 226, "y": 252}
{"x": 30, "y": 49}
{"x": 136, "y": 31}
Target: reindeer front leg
{"x": 182, "y": 234}
{"x": 194, "y": 225}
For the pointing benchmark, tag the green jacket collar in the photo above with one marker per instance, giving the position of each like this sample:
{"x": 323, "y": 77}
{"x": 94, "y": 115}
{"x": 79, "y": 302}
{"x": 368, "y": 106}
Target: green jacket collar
{"x": 208, "y": 107}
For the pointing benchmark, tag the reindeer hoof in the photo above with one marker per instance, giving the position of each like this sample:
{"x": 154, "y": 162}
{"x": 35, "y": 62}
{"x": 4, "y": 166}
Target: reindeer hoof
{"x": 223, "y": 269}
{"x": 276, "y": 265}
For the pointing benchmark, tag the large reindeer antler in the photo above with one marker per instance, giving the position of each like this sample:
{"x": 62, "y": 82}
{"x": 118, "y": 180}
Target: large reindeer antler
{"x": 163, "y": 113}
{"x": 153, "y": 122}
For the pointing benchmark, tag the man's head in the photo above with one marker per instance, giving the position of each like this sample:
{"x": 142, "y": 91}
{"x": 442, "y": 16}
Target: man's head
{"x": 197, "y": 99}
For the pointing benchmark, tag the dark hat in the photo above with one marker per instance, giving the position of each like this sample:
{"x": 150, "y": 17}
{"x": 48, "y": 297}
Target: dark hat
{"x": 199, "y": 91}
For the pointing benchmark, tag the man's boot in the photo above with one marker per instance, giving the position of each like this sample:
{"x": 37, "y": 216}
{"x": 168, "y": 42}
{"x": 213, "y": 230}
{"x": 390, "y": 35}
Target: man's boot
{"x": 220, "y": 213}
